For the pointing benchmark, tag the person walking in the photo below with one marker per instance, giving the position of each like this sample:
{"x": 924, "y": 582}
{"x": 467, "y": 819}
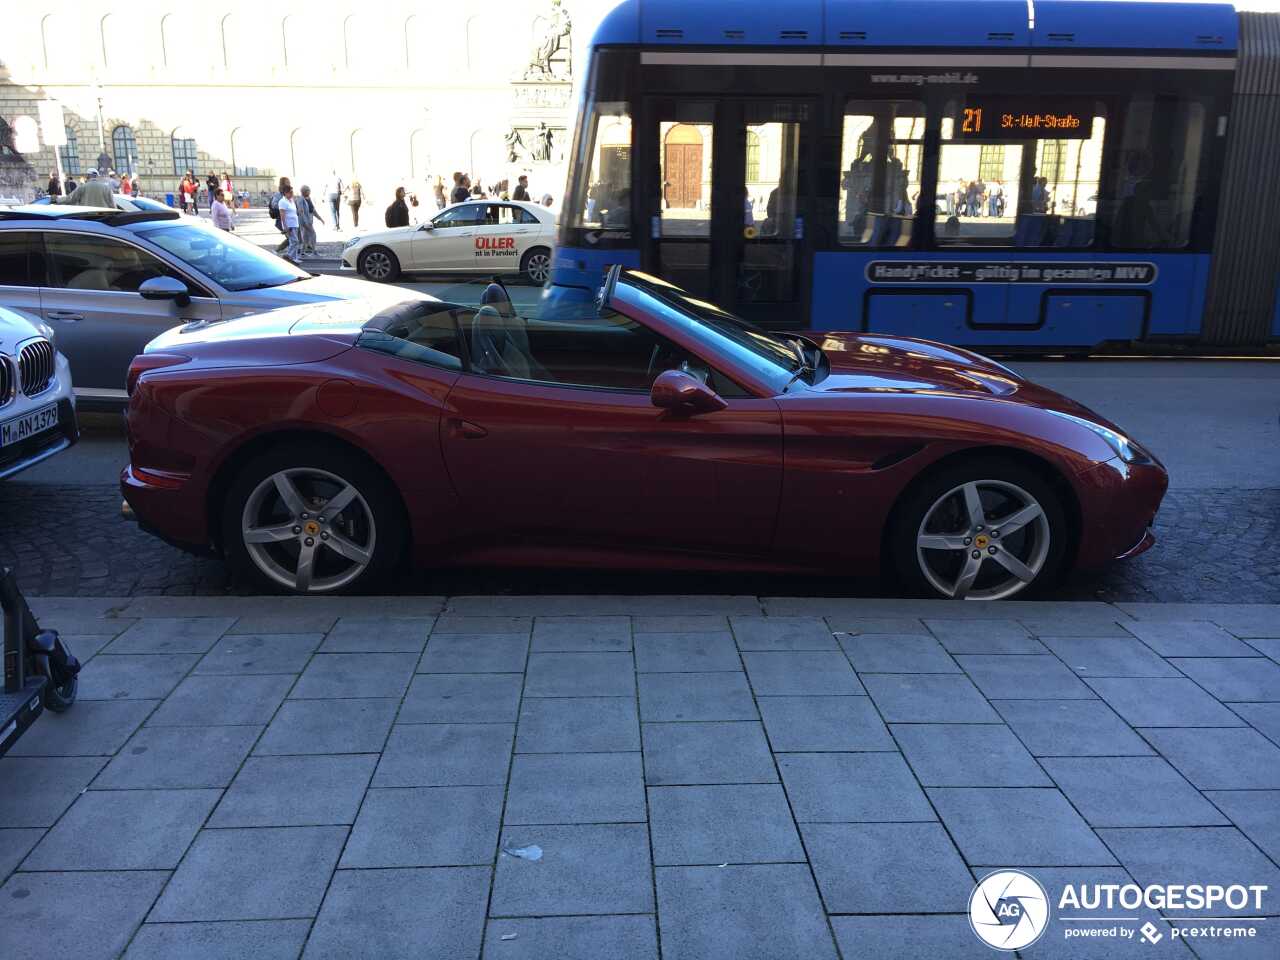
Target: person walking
{"x": 307, "y": 215}
{"x": 522, "y": 189}
{"x": 126, "y": 184}
{"x": 439, "y": 192}
{"x": 461, "y": 188}
{"x": 397, "y": 214}
{"x": 227, "y": 189}
{"x": 355, "y": 197}
{"x": 211, "y": 184}
{"x": 223, "y": 218}
{"x": 55, "y": 185}
{"x": 94, "y": 192}
{"x": 333, "y": 193}
{"x": 273, "y": 208}
{"x": 289, "y": 223}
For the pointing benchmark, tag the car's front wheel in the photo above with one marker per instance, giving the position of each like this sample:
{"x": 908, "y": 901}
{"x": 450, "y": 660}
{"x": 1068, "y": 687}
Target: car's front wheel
{"x": 536, "y": 265}
{"x": 311, "y": 520}
{"x": 378, "y": 264}
{"x": 987, "y": 529}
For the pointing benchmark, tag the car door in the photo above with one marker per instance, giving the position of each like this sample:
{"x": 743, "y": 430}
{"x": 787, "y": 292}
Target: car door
{"x": 573, "y": 451}
{"x": 448, "y": 245}
{"x": 91, "y": 299}
{"x": 21, "y": 271}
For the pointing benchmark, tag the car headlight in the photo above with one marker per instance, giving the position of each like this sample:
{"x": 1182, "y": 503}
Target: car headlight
{"x": 350, "y": 243}
{"x": 1130, "y": 451}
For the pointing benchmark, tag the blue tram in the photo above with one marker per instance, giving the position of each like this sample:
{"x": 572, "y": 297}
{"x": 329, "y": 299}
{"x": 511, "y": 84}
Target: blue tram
{"x": 1013, "y": 174}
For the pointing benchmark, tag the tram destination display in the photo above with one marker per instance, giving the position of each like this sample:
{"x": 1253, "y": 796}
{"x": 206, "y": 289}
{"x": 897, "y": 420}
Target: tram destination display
{"x": 1010, "y": 271}
{"x": 985, "y": 119}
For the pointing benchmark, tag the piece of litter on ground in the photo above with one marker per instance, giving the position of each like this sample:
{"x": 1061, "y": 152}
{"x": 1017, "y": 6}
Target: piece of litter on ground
{"x": 509, "y": 936}
{"x": 531, "y": 852}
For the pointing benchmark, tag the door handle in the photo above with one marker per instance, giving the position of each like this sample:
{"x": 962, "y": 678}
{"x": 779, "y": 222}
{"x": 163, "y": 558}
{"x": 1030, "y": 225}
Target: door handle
{"x": 466, "y": 429}
{"x": 68, "y": 315}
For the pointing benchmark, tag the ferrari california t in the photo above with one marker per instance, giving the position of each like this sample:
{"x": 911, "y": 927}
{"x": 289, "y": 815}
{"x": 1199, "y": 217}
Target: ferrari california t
{"x": 318, "y": 447}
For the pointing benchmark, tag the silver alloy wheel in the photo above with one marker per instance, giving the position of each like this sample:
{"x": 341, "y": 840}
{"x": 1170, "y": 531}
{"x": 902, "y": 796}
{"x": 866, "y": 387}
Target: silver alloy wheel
{"x": 377, "y": 264}
{"x": 308, "y": 530}
{"x": 539, "y": 267}
{"x": 983, "y": 540}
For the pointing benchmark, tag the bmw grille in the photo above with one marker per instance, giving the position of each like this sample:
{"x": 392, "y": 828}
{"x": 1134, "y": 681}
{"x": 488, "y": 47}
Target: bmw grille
{"x": 35, "y": 367}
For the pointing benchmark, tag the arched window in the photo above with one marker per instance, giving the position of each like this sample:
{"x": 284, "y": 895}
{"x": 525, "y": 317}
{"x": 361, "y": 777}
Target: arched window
{"x": 753, "y": 156}
{"x": 124, "y": 147}
{"x": 185, "y": 156}
{"x": 70, "y": 153}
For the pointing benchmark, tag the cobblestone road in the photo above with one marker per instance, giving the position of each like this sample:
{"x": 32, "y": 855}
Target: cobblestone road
{"x": 1215, "y": 545}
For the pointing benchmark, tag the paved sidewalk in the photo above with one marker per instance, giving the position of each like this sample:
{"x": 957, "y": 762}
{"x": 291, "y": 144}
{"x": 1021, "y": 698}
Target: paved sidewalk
{"x": 635, "y": 777}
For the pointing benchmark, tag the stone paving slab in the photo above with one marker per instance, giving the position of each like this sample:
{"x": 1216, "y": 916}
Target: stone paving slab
{"x": 632, "y": 777}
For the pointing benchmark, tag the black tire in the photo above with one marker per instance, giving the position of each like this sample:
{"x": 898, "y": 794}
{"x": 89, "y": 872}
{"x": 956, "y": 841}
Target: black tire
{"x": 535, "y": 265}
{"x": 917, "y": 501}
{"x": 388, "y": 521}
{"x": 371, "y": 262}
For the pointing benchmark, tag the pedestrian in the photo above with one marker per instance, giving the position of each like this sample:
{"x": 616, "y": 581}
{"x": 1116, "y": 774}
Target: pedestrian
{"x": 70, "y": 186}
{"x": 522, "y": 189}
{"x": 996, "y": 199}
{"x": 227, "y": 189}
{"x": 211, "y": 184}
{"x": 273, "y": 208}
{"x": 397, "y": 214}
{"x": 94, "y": 192}
{"x": 289, "y": 223}
{"x": 439, "y": 192}
{"x": 114, "y": 180}
{"x": 355, "y": 197}
{"x": 333, "y": 193}
{"x": 55, "y": 184}
{"x": 307, "y": 215}
{"x": 126, "y": 185}
{"x": 461, "y": 188}
{"x": 223, "y": 218}
{"x": 548, "y": 200}
{"x": 137, "y": 185}
{"x": 184, "y": 191}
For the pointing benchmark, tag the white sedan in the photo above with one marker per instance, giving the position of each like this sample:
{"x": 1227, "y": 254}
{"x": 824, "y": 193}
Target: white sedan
{"x": 479, "y": 236}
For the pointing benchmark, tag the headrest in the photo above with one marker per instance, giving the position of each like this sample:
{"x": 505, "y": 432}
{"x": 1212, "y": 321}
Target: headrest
{"x": 495, "y": 295}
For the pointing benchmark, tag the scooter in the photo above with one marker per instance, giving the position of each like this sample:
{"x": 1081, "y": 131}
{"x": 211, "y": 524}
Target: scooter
{"x": 39, "y": 671}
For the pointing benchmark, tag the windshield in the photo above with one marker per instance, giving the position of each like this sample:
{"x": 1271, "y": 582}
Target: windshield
{"x": 223, "y": 257}
{"x": 775, "y": 350}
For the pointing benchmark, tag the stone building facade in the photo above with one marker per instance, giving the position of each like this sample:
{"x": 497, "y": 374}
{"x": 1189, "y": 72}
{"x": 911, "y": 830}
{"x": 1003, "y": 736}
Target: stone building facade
{"x": 398, "y": 92}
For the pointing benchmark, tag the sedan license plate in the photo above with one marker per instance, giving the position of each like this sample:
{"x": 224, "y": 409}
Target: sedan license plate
{"x": 20, "y": 428}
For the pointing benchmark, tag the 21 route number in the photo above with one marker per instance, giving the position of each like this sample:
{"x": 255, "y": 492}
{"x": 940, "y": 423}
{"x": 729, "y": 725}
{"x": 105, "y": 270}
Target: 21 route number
{"x": 972, "y": 120}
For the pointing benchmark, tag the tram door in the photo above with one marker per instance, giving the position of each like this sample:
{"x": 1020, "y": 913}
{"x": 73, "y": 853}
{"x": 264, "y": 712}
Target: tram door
{"x": 728, "y": 202}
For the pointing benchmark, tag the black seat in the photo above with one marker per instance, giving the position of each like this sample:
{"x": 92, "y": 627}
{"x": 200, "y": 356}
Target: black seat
{"x": 495, "y": 295}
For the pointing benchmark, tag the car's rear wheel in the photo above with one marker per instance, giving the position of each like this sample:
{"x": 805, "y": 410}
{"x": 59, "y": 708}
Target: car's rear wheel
{"x": 379, "y": 265}
{"x": 311, "y": 520}
{"x": 986, "y": 529}
{"x": 536, "y": 265}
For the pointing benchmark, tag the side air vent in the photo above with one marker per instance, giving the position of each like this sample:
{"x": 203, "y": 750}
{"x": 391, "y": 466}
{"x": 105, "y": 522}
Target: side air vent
{"x": 999, "y": 35}
{"x": 1209, "y": 39}
{"x": 735, "y": 34}
{"x": 793, "y": 35}
{"x": 669, "y": 34}
{"x": 1062, "y": 37}
{"x": 853, "y": 34}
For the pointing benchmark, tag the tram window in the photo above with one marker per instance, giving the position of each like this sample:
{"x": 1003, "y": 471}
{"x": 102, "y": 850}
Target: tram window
{"x": 602, "y": 174}
{"x": 685, "y": 166}
{"x": 881, "y": 155}
{"x": 1157, "y": 173}
{"x": 1025, "y": 192}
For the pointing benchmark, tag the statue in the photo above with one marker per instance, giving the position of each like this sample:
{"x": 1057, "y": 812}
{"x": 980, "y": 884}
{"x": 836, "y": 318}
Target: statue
{"x": 515, "y": 146}
{"x": 545, "y": 146}
{"x": 554, "y": 41}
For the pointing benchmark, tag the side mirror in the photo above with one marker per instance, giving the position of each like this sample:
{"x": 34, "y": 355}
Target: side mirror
{"x": 428, "y": 226}
{"x": 165, "y": 288}
{"x": 680, "y": 392}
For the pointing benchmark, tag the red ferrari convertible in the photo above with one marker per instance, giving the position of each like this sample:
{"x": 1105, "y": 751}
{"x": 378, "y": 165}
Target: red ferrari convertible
{"x": 317, "y": 447}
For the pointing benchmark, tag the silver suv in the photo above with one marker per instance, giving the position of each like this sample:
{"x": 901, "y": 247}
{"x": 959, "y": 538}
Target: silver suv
{"x": 37, "y": 404}
{"x": 110, "y": 281}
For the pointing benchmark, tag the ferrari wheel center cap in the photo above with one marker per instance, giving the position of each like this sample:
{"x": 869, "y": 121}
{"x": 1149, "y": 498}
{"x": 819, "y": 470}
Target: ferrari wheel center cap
{"x": 981, "y": 541}
{"x": 312, "y": 528}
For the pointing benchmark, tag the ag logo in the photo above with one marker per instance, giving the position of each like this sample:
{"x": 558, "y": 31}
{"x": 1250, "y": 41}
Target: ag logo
{"x": 1008, "y": 910}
